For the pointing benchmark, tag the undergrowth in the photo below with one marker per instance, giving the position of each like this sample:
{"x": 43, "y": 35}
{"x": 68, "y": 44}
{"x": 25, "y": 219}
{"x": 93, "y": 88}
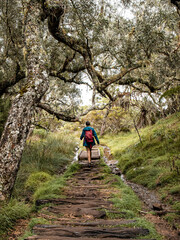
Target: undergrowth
{"x": 127, "y": 205}
{"x": 32, "y": 223}
{"x": 45, "y": 153}
{"x": 45, "y": 156}
{"x": 53, "y": 188}
{"x": 154, "y": 163}
{"x": 10, "y": 213}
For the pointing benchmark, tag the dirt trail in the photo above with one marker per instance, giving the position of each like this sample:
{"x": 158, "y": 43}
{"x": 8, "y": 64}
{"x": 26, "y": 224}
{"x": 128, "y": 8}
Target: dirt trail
{"x": 83, "y": 213}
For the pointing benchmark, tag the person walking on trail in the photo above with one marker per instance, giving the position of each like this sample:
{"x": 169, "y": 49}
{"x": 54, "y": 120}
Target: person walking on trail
{"x": 88, "y": 133}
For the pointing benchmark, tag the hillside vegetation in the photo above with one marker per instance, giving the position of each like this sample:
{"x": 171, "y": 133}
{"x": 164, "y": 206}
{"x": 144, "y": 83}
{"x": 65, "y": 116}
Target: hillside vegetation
{"x": 154, "y": 163}
{"x": 45, "y": 157}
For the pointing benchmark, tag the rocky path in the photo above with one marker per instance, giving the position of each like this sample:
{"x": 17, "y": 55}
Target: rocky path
{"x": 82, "y": 213}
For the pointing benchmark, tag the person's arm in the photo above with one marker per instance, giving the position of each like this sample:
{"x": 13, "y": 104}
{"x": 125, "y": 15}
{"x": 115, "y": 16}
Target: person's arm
{"x": 95, "y": 135}
{"x": 83, "y": 134}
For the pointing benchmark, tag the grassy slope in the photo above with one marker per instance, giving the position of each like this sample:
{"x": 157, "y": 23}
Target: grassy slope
{"x": 45, "y": 156}
{"x": 156, "y": 162}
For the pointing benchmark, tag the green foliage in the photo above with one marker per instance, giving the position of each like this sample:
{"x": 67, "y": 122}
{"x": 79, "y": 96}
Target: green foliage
{"x": 26, "y": 235}
{"x": 126, "y": 202}
{"x": 176, "y": 206}
{"x": 127, "y": 199}
{"x": 36, "y": 179}
{"x": 71, "y": 170}
{"x": 143, "y": 223}
{"x": 53, "y": 189}
{"x": 44, "y": 156}
{"x": 35, "y": 221}
{"x": 175, "y": 190}
{"x": 50, "y": 189}
{"x": 48, "y": 154}
{"x": 10, "y": 213}
{"x": 171, "y": 92}
{"x": 156, "y": 162}
{"x": 32, "y": 223}
{"x": 41, "y": 133}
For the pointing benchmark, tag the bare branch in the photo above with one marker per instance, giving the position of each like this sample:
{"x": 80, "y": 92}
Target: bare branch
{"x": 119, "y": 76}
{"x": 70, "y": 80}
{"x": 93, "y": 108}
{"x": 58, "y": 115}
{"x": 68, "y": 118}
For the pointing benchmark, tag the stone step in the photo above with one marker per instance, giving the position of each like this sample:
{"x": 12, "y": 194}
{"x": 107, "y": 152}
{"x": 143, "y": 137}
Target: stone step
{"x": 99, "y": 223}
{"x": 82, "y": 232}
{"x": 75, "y": 238}
{"x": 95, "y": 154}
{"x": 73, "y": 201}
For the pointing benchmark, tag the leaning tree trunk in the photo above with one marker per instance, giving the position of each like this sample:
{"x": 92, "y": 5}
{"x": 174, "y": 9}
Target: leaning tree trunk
{"x": 18, "y": 123}
{"x": 103, "y": 126}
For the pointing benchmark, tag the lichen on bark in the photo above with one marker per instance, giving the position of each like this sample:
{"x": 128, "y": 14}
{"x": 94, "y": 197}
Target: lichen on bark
{"x": 19, "y": 120}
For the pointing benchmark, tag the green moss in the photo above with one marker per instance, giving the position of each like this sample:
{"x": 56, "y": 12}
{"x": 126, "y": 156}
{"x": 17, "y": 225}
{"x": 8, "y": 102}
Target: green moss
{"x": 53, "y": 188}
{"x": 36, "y": 179}
{"x": 36, "y": 221}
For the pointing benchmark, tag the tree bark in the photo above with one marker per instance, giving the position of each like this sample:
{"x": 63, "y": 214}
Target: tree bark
{"x": 103, "y": 126}
{"x": 19, "y": 120}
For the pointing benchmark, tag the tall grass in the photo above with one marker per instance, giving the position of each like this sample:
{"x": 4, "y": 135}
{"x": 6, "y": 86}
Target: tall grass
{"x": 45, "y": 156}
{"x": 48, "y": 153}
{"x": 10, "y": 213}
{"x": 156, "y": 162}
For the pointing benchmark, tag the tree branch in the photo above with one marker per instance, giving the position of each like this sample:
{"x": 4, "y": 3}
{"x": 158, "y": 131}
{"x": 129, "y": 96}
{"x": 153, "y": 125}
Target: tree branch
{"x": 119, "y": 76}
{"x": 93, "y": 108}
{"x": 70, "y": 80}
{"x": 58, "y": 115}
{"x": 59, "y": 34}
{"x": 19, "y": 75}
{"x": 63, "y": 117}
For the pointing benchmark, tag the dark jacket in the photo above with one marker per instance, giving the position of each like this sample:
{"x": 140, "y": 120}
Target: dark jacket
{"x": 94, "y": 134}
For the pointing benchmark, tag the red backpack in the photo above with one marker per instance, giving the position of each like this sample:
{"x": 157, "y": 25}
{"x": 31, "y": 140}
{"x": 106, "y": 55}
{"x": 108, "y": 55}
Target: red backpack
{"x": 89, "y": 136}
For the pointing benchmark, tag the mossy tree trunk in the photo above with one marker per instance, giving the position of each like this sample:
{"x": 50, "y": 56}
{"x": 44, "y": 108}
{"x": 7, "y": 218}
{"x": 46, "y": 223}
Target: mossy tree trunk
{"x": 103, "y": 126}
{"x": 18, "y": 123}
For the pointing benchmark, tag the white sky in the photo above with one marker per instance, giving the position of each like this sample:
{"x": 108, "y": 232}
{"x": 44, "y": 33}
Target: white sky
{"x": 86, "y": 95}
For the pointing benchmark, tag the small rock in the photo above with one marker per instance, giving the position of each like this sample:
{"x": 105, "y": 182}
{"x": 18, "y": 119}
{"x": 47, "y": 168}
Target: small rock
{"x": 157, "y": 207}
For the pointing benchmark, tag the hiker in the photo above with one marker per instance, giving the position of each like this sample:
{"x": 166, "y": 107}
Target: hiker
{"x": 88, "y": 134}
